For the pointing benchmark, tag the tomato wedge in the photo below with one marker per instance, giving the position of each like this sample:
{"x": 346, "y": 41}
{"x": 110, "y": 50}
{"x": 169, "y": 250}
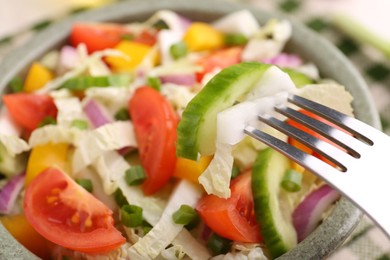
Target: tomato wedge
{"x": 155, "y": 122}
{"x": 219, "y": 59}
{"x": 28, "y": 110}
{"x": 100, "y": 36}
{"x": 232, "y": 218}
{"x": 66, "y": 214}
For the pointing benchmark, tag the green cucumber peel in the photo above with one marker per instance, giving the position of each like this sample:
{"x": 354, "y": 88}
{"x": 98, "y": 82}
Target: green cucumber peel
{"x": 275, "y": 224}
{"x": 298, "y": 78}
{"x": 197, "y": 127}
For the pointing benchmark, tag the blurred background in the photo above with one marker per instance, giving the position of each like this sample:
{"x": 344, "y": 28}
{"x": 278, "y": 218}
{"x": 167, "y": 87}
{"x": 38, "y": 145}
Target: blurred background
{"x": 359, "y": 28}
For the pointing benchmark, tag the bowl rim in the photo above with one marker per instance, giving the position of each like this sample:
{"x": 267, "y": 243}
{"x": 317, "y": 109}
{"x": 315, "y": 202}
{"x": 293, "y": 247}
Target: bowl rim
{"x": 345, "y": 216}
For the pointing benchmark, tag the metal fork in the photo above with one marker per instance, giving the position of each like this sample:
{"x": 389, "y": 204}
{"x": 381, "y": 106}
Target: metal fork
{"x": 363, "y": 169}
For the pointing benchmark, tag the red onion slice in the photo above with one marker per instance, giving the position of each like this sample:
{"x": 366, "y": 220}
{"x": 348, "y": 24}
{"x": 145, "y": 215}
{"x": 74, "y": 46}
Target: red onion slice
{"x": 179, "y": 79}
{"x": 285, "y": 60}
{"x": 96, "y": 113}
{"x": 9, "y": 193}
{"x": 308, "y": 214}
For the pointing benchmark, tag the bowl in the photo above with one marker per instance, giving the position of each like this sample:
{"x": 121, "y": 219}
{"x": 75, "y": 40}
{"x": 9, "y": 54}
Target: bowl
{"x": 331, "y": 63}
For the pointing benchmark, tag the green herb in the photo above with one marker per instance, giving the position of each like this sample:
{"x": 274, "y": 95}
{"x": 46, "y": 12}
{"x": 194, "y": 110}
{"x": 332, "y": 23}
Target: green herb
{"x": 160, "y": 24}
{"x": 317, "y": 24}
{"x": 135, "y": 175}
{"x": 218, "y": 245}
{"x": 16, "y": 84}
{"x": 154, "y": 82}
{"x": 233, "y": 39}
{"x": 235, "y": 171}
{"x": 120, "y": 199}
{"x": 131, "y": 216}
{"x": 122, "y": 115}
{"x": 49, "y": 120}
{"x": 85, "y": 82}
{"x": 80, "y": 124}
{"x": 178, "y": 50}
{"x": 292, "y": 180}
{"x": 184, "y": 215}
{"x": 86, "y": 184}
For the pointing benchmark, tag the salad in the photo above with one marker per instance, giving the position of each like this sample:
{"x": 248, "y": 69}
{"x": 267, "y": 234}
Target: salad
{"x": 128, "y": 143}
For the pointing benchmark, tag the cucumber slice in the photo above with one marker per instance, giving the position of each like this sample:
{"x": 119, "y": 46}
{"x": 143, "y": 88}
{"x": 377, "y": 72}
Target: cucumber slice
{"x": 272, "y": 214}
{"x": 298, "y": 78}
{"x": 197, "y": 127}
{"x": 9, "y": 165}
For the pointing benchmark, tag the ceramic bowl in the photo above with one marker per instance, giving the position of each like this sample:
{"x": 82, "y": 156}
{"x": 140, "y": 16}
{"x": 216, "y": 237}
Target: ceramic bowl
{"x": 331, "y": 63}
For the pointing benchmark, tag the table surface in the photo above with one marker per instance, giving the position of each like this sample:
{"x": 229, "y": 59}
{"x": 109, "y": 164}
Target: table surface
{"x": 367, "y": 241}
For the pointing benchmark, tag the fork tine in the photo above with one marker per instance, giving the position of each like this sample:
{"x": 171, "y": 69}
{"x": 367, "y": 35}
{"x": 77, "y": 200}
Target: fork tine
{"x": 331, "y": 152}
{"x": 351, "y": 124}
{"x": 337, "y": 136}
{"x": 323, "y": 170}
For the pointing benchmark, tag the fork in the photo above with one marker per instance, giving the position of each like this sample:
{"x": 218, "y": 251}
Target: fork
{"x": 362, "y": 173}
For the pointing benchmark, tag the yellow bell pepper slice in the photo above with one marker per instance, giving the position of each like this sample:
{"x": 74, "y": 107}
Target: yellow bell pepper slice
{"x": 203, "y": 37}
{"x": 22, "y": 231}
{"x": 135, "y": 53}
{"x": 37, "y": 77}
{"x": 44, "y": 156}
{"x": 189, "y": 169}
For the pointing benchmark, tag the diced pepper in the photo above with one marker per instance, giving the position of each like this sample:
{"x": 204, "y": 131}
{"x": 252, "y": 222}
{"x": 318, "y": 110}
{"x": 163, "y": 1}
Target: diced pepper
{"x": 203, "y": 37}
{"x": 44, "y": 156}
{"x": 189, "y": 169}
{"x": 37, "y": 77}
{"x": 135, "y": 52}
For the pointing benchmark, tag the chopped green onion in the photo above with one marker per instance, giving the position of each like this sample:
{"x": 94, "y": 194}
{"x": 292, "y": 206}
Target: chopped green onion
{"x": 122, "y": 115}
{"x": 233, "y": 39}
{"x": 86, "y": 184}
{"x": 178, "y": 50}
{"x": 85, "y": 82}
{"x": 80, "y": 124}
{"x": 135, "y": 175}
{"x": 160, "y": 24}
{"x": 218, "y": 245}
{"x": 47, "y": 121}
{"x": 146, "y": 227}
{"x": 131, "y": 216}
{"x": 154, "y": 82}
{"x": 120, "y": 199}
{"x": 127, "y": 37}
{"x": 184, "y": 215}
{"x": 292, "y": 180}
{"x": 235, "y": 171}
{"x": 16, "y": 84}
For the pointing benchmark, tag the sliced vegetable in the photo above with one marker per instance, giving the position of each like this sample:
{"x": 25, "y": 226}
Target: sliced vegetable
{"x": 232, "y": 218}
{"x": 81, "y": 83}
{"x": 86, "y": 184}
{"x": 122, "y": 115}
{"x": 218, "y": 245}
{"x": 135, "y": 175}
{"x": 184, "y": 215}
{"x": 178, "y": 50}
{"x": 233, "y": 39}
{"x": 189, "y": 169}
{"x": 179, "y": 79}
{"x": 298, "y": 78}
{"x": 96, "y": 113}
{"x": 197, "y": 128}
{"x": 155, "y": 124}
{"x": 80, "y": 124}
{"x": 154, "y": 82}
{"x": 203, "y": 37}
{"x": 96, "y": 36}
{"x": 273, "y": 216}
{"x": 131, "y": 216}
{"x": 28, "y": 110}
{"x": 309, "y": 213}
{"x": 292, "y": 180}
{"x": 37, "y": 77}
{"x": 45, "y": 156}
{"x": 66, "y": 214}
{"x": 11, "y": 165}
{"x": 242, "y": 22}
{"x": 10, "y": 192}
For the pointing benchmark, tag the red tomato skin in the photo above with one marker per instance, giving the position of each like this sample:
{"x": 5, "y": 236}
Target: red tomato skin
{"x": 232, "y": 218}
{"x": 96, "y": 37}
{"x": 155, "y": 122}
{"x": 218, "y": 59}
{"x": 28, "y": 110}
{"x": 52, "y": 218}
